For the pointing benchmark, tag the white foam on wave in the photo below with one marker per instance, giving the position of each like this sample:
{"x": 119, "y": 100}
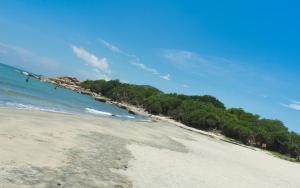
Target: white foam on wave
{"x": 25, "y": 73}
{"x": 98, "y": 112}
{"x": 125, "y": 116}
{"x": 31, "y": 107}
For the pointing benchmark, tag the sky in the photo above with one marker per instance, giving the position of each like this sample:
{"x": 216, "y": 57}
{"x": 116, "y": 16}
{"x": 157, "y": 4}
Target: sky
{"x": 245, "y": 53}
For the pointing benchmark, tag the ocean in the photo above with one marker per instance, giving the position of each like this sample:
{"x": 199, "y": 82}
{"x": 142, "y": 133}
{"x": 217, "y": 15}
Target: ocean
{"x": 16, "y": 92}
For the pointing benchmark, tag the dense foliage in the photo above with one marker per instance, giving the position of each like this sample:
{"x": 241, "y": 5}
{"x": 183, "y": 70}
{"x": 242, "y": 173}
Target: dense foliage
{"x": 204, "y": 112}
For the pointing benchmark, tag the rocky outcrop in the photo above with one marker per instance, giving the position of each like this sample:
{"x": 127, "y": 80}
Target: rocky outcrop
{"x": 74, "y": 84}
{"x": 69, "y": 83}
{"x": 65, "y": 81}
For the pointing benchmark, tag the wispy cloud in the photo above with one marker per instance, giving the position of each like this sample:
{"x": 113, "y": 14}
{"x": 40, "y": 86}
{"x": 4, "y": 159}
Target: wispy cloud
{"x": 93, "y": 74}
{"x": 294, "y": 105}
{"x": 166, "y": 77}
{"x": 101, "y": 75}
{"x": 134, "y": 60}
{"x": 179, "y": 55}
{"x": 110, "y": 46}
{"x": 100, "y": 65}
{"x": 212, "y": 69}
{"x": 185, "y": 86}
{"x": 203, "y": 66}
{"x": 91, "y": 59}
{"x": 145, "y": 68}
{"x": 26, "y": 55}
{"x": 117, "y": 50}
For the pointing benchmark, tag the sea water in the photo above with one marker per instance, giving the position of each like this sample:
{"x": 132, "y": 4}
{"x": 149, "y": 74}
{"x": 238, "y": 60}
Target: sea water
{"x": 33, "y": 94}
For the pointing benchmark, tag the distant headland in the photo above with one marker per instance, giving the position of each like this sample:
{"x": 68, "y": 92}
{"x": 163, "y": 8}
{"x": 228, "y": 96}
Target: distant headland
{"x": 199, "y": 112}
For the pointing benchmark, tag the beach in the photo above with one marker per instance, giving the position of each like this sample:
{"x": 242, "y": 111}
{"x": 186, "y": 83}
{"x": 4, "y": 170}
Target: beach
{"x": 46, "y": 149}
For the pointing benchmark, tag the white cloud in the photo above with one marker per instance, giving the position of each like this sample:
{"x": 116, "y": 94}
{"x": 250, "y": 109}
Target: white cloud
{"x": 178, "y": 55}
{"x": 185, "y": 86}
{"x": 100, "y": 75}
{"x": 101, "y": 64}
{"x": 93, "y": 74}
{"x": 110, "y": 46}
{"x": 166, "y": 77}
{"x": 133, "y": 59}
{"x": 117, "y": 50}
{"x": 295, "y": 105}
{"x": 150, "y": 70}
{"x": 145, "y": 68}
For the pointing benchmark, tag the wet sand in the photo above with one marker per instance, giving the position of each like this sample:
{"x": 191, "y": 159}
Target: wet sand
{"x": 42, "y": 149}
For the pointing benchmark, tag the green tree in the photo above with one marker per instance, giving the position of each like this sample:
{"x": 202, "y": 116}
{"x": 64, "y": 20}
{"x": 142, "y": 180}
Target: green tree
{"x": 203, "y": 112}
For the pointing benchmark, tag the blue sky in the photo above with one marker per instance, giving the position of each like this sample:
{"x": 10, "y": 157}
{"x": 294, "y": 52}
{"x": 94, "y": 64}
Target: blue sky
{"x": 244, "y": 53}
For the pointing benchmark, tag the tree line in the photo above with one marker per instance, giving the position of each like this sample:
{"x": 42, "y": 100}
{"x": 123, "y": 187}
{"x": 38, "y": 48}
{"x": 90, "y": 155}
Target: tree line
{"x": 203, "y": 112}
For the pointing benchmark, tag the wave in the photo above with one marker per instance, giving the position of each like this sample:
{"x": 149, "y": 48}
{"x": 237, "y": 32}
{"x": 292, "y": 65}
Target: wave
{"x": 25, "y": 73}
{"x": 31, "y": 107}
{"x": 37, "y": 108}
{"x": 10, "y": 92}
{"x": 125, "y": 116}
{"x": 98, "y": 112}
{"x": 7, "y": 92}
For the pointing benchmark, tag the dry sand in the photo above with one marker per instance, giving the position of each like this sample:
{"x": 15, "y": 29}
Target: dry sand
{"x": 41, "y": 149}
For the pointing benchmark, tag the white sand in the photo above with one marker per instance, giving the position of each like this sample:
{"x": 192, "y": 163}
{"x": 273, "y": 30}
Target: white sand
{"x": 40, "y": 149}
{"x": 209, "y": 164}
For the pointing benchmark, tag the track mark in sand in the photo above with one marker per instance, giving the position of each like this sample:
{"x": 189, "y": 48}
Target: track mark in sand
{"x": 87, "y": 165}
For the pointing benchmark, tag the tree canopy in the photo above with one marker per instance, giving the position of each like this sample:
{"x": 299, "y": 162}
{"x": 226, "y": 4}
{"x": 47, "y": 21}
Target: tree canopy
{"x": 203, "y": 112}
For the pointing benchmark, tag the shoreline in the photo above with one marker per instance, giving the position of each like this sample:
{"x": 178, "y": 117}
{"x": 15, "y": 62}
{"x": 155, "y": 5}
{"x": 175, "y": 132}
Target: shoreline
{"x": 46, "y": 149}
{"x": 73, "y": 84}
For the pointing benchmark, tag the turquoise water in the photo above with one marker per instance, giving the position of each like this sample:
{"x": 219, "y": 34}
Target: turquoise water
{"x": 37, "y": 95}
